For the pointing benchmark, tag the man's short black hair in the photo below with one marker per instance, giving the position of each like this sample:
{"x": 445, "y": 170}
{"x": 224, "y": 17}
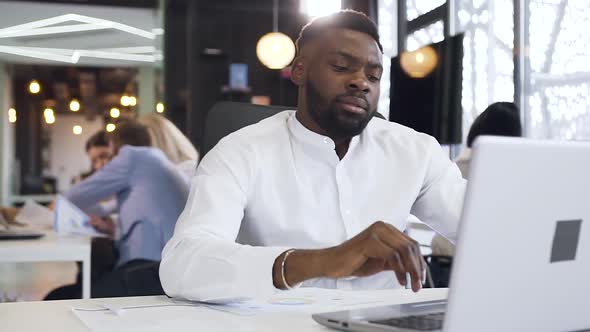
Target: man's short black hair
{"x": 130, "y": 132}
{"x": 344, "y": 19}
{"x": 99, "y": 139}
{"x": 499, "y": 119}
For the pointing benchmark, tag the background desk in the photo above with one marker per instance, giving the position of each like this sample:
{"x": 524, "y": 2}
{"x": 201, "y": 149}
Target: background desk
{"x": 58, "y": 316}
{"x": 51, "y": 248}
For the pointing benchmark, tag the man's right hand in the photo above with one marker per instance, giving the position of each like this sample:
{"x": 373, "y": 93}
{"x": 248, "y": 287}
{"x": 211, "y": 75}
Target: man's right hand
{"x": 380, "y": 247}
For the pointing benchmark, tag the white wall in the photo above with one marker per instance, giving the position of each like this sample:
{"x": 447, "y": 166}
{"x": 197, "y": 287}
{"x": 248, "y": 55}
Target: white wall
{"x": 6, "y": 136}
{"x": 67, "y": 152}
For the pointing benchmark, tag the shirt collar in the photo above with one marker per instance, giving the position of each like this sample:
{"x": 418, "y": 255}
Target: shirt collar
{"x": 300, "y": 132}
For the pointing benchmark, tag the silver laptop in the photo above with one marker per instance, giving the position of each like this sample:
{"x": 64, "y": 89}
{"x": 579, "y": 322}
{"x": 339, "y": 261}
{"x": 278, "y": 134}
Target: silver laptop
{"x": 523, "y": 256}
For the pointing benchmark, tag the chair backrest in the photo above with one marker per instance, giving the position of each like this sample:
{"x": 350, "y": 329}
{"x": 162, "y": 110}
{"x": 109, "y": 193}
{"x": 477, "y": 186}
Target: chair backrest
{"x": 226, "y": 117}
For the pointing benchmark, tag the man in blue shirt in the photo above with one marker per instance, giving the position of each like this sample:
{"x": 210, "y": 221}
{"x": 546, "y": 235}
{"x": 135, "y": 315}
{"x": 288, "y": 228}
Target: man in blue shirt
{"x": 151, "y": 194}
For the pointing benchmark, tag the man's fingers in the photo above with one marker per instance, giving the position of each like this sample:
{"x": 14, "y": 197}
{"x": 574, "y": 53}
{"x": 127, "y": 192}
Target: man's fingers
{"x": 411, "y": 261}
{"x": 424, "y": 268}
{"x": 402, "y": 253}
{"x": 409, "y": 253}
{"x": 395, "y": 264}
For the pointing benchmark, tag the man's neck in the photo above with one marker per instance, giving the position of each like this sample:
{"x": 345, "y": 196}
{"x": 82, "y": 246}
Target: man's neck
{"x": 340, "y": 143}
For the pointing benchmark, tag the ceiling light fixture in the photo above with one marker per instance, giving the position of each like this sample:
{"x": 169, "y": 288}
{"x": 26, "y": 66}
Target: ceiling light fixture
{"x": 111, "y": 127}
{"x": 419, "y": 63}
{"x": 275, "y": 49}
{"x": 52, "y": 30}
{"x": 125, "y": 100}
{"x": 49, "y": 116}
{"x": 34, "y": 87}
{"x": 73, "y": 56}
{"x": 86, "y": 23}
{"x": 115, "y": 112}
{"x": 21, "y": 51}
{"x": 77, "y": 130}
{"x": 11, "y": 115}
{"x": 160, "y": 107}
{"x": 99, "y": 23}
{"x": 74, "y": 105}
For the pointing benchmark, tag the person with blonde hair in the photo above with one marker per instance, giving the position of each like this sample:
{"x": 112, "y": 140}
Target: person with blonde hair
{"x": 175, "y": 145}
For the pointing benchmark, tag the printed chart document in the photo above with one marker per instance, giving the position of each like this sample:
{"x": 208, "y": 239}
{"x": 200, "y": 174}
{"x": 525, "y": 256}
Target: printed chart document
{"x": 69, "y": 219}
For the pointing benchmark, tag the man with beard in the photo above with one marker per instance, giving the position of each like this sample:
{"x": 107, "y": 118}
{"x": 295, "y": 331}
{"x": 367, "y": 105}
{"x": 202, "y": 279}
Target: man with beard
{"x": 319, "y": 196}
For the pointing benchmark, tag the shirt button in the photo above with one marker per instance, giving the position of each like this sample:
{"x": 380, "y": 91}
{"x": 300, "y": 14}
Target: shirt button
{"x": 326, "y": 140}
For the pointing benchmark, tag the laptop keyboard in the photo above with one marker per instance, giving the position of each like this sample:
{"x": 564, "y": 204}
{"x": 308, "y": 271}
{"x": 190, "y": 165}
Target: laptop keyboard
{"x": 428, "y": 322}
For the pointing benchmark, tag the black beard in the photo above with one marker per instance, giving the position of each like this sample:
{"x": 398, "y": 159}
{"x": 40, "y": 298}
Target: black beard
{"x": 338, "y": 124}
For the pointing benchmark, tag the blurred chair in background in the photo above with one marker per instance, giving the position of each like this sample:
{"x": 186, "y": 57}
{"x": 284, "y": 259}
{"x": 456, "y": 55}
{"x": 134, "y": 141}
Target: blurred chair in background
{"x": 226, "y": 117}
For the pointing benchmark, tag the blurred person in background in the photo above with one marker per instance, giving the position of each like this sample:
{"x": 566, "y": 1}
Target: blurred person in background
{"x": 97, "y": 149}
{"x": 151, "y": 194}
{"x": 175, "y": 145}
{"x": 98, "y": 152}
{"x": 498, "y": 119}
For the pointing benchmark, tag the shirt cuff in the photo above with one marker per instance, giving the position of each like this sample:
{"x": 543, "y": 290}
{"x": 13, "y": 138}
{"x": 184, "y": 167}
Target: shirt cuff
{"x": 259, "y": 261}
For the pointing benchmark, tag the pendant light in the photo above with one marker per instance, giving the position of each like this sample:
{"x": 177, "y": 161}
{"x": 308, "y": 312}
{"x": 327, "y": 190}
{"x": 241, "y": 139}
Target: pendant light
{"x": 275, "y": 50}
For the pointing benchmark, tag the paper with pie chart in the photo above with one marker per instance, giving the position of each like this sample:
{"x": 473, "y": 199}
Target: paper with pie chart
{"x": 69, "y": 219}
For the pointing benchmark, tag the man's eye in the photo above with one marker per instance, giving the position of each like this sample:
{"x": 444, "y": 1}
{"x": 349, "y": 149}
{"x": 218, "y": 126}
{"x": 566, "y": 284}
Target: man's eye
{"x": 374, "y": 78}
{"x": 339, "y": 68}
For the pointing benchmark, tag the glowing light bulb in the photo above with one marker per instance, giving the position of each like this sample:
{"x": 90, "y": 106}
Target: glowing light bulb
{"x": 160, "y": 107}
{"x": 115, "y": 112}
{"x": 74, "y": 105}
{"x": 34, "y": 87}
{"x": 11, "y": 115}
{"x": 125, "y": 100}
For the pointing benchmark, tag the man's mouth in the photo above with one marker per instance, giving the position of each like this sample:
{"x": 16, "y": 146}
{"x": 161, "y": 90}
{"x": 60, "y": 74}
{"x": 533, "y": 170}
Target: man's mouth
{"x": 353, "y": 104}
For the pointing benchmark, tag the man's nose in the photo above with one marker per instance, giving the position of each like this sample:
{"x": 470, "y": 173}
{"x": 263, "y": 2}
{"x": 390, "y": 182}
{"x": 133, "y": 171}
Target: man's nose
{"x": 359, "y": 83}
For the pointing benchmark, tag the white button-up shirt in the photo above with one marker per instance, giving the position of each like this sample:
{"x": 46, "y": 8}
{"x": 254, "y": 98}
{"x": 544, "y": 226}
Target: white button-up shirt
{"x": 276, "y": 185}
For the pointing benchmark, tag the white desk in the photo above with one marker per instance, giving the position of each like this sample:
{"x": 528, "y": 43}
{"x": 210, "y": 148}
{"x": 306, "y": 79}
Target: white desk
{"x": 58, "y": 316}
{"x": 51, "y": 248}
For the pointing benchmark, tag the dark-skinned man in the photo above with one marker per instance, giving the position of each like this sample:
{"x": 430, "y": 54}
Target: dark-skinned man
{"x": 316, "y": 197}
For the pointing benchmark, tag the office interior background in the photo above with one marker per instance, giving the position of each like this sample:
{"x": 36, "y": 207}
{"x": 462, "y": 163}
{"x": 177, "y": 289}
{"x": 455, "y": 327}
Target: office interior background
{"x": 71, "y": 68}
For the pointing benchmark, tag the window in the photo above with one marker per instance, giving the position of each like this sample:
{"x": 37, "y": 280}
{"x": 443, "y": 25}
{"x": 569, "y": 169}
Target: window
{"x": 488, "y": 64}
{"x": 416, "y": 8}
{"x": 558, "y": 79}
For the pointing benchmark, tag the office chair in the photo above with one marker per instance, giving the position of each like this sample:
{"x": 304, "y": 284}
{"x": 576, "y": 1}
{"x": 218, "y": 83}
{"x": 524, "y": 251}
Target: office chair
{"x": 226, "y": 117}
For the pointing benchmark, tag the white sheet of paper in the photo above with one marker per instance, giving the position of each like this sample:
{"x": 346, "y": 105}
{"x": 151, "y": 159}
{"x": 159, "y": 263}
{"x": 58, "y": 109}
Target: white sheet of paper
{"x": 261, "y": 314}
{"x": 35, "y": 215}
{"x": 179, "y": 315}
{"x": 177, "y": 319}
{"x": 69, "y": 219}
{"x": 307, "y": 300}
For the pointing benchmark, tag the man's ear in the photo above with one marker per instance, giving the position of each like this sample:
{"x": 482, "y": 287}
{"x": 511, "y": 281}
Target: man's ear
{"x": 298, "y": 71}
